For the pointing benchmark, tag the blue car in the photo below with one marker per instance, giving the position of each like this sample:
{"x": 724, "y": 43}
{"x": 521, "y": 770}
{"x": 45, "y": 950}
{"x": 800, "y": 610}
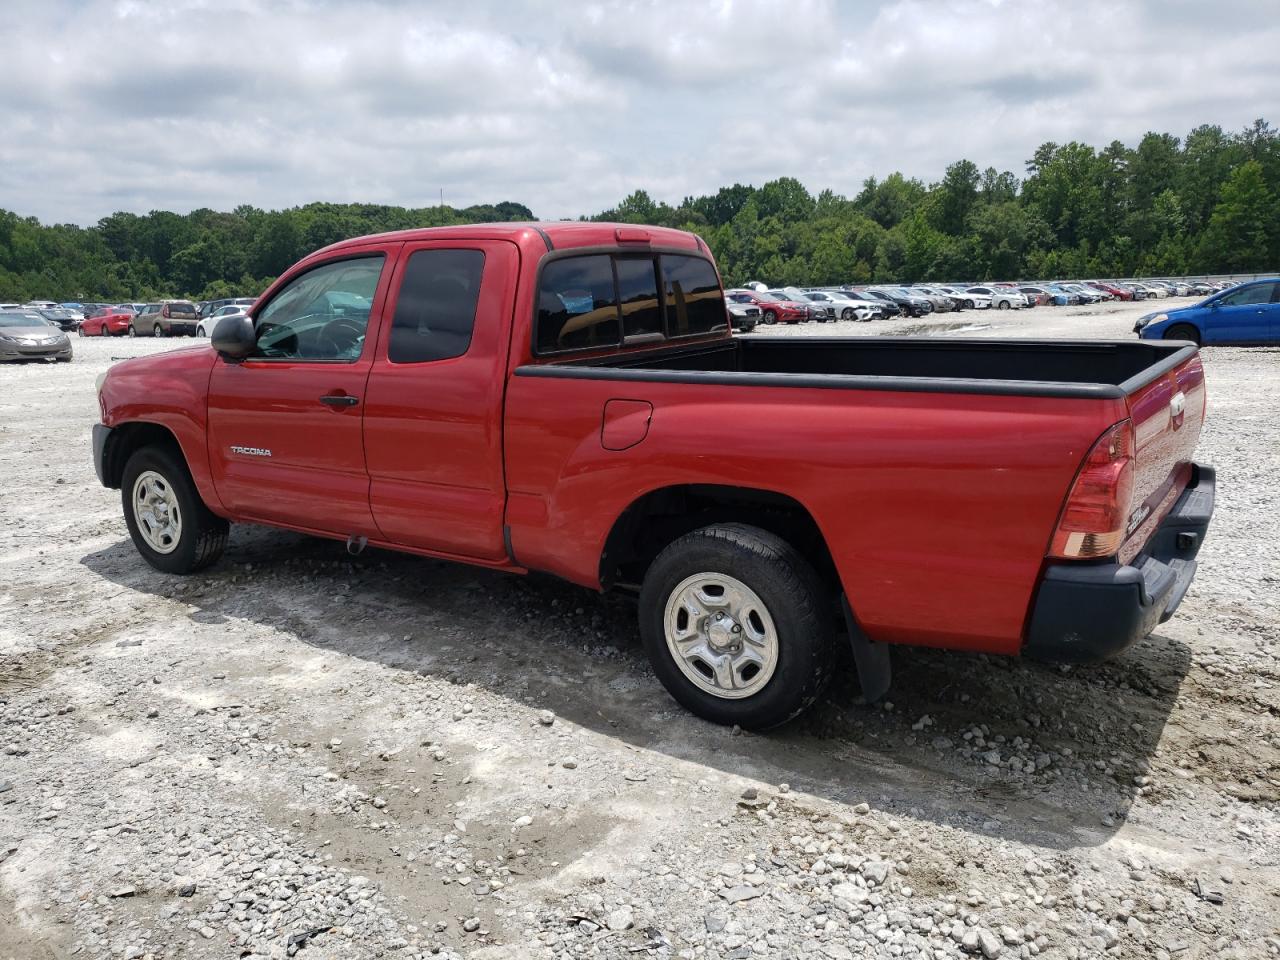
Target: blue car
{"x": 1246, "y": 314}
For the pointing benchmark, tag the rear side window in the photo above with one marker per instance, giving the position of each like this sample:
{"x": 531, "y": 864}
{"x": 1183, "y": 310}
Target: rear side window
{"x": 692, "y": 292}
{"x": 638, "y": 296}
{"x": 577, "y": 304}
{"x": 436, "y": 309}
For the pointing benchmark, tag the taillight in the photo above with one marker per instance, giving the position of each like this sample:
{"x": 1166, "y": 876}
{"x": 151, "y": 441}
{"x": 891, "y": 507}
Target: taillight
{"x": 1094, "y": 520}
{"x": 164, "y": 311}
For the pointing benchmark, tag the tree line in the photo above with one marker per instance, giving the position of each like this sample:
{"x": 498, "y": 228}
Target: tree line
{"x": 1206, "y": 203}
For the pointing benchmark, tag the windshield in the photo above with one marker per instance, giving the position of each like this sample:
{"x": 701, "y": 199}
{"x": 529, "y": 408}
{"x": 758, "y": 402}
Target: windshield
{"x": 22, "y": 320}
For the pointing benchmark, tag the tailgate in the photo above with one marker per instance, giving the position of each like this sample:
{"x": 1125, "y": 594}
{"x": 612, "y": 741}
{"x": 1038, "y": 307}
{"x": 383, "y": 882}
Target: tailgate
{"x": 1167, "y": 414}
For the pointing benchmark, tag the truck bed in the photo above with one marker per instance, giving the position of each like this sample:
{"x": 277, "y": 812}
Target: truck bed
{"x": 1067, "y": 368}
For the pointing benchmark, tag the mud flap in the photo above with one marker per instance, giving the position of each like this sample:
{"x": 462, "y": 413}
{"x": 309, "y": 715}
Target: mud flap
{"x": 871, "y": 659}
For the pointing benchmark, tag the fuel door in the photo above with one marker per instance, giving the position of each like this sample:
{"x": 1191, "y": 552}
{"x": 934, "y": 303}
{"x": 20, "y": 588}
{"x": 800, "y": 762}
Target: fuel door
{"x": 625, "y": 423}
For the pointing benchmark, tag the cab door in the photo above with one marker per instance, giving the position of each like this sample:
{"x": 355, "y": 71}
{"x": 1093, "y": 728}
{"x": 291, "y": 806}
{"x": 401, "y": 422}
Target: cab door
{"x": 285, "y": 424}
{"x": 433, "y": 415}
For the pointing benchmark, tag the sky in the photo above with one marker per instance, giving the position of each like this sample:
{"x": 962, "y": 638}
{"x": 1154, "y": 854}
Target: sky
{"x": 569, "y": 106}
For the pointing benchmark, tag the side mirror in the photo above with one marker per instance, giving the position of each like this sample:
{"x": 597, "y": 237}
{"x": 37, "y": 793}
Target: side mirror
{"x": 234, "y": 338}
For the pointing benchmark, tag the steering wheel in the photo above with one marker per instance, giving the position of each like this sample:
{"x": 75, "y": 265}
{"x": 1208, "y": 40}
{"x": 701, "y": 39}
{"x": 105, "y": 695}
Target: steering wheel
{"x": 341, "y": 338}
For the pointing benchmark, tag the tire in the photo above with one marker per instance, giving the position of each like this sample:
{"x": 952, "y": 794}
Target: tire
{"x": 201, "y": 535}
{"x": 1182, "y": 331}
{"x": 80, "y": 331}
{"x": 132, "y": 331}
{"x": 770, "y": 317}
{"x": 847, "y": 313}
{"x": 968, "y": 304}
{"x": 793, "y": 600}
{"x": 1003, "y": 305}
{"x": 157, "y": 331}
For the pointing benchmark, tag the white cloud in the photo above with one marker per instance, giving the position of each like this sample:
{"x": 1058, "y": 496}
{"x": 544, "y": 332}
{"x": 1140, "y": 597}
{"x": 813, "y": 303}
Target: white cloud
{"x": 567, "y": 108}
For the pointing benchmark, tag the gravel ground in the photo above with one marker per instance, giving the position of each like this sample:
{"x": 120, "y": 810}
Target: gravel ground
{"x": 301, "y": 753}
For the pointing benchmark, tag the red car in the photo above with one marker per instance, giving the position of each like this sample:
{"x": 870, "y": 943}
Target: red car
{"x": 107, "y": 322}
{"x": 1120, "y": 293}
{"x": 772, "y": 309}
{"x": 567, "y": 398}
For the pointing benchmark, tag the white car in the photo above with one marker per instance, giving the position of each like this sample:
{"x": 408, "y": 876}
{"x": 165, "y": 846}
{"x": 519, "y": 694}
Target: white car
{"x": 842, "y": 307}
{"x": 1001, "y": 298}
{"x": 977, "y": 301}
{"x": 205, "y": 327}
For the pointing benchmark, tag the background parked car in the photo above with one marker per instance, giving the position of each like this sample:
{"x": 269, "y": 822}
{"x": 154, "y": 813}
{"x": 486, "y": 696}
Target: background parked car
{"x": 743, "y": 317}
{"x": 1247, "y": 314}
{"x": 815, "y": 311}
{"x": 63, "y": 318}
{"x": 887, "y": 308}
{"x": 206, "y": 308}
{"x": 1002, "y": 298}
{"x": 773, "y": 309}
{"x": 167, "y": 318}
{"x": 912, "y": 304}
{"x": 942, "y": 302}
{"x": 26, "y": 335}
{"x": 841, "y": 306}
{"x": 107, "y": 322}
{"x": 204, "y": 328}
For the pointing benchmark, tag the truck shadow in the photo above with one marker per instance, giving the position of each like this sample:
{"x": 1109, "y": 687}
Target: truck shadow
{"x": 989, "y": 745}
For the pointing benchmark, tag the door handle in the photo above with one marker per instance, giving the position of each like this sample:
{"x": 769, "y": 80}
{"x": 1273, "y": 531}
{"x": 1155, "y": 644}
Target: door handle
{"x": 339, "y": 400}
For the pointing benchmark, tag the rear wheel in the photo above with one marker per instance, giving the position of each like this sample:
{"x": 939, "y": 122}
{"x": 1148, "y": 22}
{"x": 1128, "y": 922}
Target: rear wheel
{"x": 1182, "y": 331}
{"x": 132, "y": 332}
{"x": 157, "y": 330}
{"x": 169, "y": 523}
{"x": 736, "y": 624}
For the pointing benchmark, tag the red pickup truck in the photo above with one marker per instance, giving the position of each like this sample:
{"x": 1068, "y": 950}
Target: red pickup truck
{"x": 568, "y": 398}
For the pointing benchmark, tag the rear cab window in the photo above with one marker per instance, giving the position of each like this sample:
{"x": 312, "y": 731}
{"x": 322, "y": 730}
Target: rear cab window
{"x": 436, "y": 308}
{"x": 599, "y": 300}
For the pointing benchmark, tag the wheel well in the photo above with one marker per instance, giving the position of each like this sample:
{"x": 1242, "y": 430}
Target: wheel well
{"x": 128, "y": 438}
{"x": 652, "y": 522}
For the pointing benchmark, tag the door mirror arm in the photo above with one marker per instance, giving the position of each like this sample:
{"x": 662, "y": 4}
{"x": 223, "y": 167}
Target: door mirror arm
{"x": 234, "y": 338}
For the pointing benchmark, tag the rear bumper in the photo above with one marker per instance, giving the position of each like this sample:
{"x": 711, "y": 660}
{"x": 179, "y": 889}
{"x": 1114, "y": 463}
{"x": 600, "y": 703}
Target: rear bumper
{"x": 1087, "y": 613}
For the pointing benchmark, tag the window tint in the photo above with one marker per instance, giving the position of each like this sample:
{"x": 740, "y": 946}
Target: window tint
{"x": 436, "y": 309}
{"x": 638, "y": 296}
{"x": 322, "y": 314}
{"x": 1258, "y": 293}
{"x": 577, "y": 306}
{"x": 692, "y": 292}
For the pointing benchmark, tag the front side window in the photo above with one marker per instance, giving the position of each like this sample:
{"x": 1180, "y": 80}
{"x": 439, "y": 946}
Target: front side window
{"x": 577, "y": 304}
{"x": 322, "y": 314}
{"x": 436, "y": 308}
{"x": 1258, "y": 293}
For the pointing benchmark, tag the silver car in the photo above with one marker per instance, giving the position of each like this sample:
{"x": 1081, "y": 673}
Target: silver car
{"x": 25, "y": 335}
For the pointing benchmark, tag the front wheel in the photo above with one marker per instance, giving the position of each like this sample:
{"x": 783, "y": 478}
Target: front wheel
{"x": 770, "y": 317}
{"x": 169, "y": 523}
{"x": 846, "y": 313}
{"x": 79, "y": 331}
{"x": 736, "y": 624}
{"x": 1002, "y": 305}
{"x": 1182, "y": 331}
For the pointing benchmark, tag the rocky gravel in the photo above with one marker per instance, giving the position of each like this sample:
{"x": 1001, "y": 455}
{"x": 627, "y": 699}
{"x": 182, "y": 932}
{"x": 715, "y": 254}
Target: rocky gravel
{"x": 300, "y": 753}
